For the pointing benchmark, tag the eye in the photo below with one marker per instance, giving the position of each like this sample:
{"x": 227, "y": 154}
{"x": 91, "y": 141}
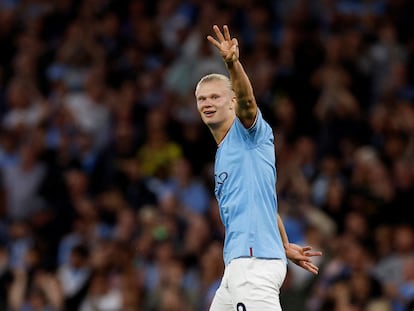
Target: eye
{"x": 215, "y": 96}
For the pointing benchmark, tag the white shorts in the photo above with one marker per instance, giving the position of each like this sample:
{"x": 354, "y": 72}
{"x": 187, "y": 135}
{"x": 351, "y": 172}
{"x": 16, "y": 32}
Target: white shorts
{"x": 250, "y": 284}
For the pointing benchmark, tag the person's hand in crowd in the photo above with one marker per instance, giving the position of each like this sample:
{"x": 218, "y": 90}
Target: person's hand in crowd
{"x": 16, "y": 293}
{"x": 50, "y": 286}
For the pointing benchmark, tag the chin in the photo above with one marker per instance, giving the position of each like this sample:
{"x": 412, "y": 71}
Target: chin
{"x": 209, "y": 122}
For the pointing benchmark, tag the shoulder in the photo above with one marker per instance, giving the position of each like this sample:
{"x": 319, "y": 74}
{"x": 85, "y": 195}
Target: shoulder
{"x": 258, "y": 131}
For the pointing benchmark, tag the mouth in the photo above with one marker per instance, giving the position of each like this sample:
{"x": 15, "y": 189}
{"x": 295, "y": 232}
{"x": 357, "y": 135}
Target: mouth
{"x": 209, "y": 114}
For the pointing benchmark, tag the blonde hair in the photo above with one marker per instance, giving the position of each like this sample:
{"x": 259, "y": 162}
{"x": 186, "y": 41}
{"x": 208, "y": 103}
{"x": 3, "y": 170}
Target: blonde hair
{"x": 215, "y": 77}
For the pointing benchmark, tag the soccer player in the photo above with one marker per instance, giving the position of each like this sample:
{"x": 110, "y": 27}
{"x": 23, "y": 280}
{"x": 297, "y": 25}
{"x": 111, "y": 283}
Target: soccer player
{"x": 256, "y": 246}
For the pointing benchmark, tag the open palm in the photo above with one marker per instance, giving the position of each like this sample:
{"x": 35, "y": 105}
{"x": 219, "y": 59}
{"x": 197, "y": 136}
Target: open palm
{"x": 228, "y": 47}
{"x": 301, "y": 256}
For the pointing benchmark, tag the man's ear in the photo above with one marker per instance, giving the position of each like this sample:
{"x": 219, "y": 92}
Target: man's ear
{"x": 233, "y": 103}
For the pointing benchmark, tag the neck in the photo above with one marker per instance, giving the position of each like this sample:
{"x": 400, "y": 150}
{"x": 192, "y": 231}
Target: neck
{"x": 219, "y": 132}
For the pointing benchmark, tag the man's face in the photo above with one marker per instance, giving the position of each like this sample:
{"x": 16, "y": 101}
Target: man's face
{"x": 215, "y": 102}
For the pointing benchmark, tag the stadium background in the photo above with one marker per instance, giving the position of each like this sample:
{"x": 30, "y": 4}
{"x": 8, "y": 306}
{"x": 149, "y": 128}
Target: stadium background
{"x": 106, "y": 169}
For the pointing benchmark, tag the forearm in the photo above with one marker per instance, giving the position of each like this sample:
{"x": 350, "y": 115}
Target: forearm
{"x": 246, "y": 108}
{"x": 282, "y": 231}
{"x": 240, "y": 82}
{"x": 17, "y": 290}
{"x": 53, "y": 292}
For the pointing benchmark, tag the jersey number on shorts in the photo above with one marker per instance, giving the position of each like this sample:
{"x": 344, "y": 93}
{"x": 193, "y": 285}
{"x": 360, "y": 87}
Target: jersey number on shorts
{"x": 241, "y": 307}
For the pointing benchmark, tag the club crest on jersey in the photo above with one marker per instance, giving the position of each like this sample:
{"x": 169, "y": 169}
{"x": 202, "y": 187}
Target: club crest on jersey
{"x": 219, "y": 181}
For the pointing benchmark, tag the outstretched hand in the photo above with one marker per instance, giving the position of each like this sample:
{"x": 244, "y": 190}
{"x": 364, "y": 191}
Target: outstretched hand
{"x": 228, "y": 47}
{"x": 301, "y": 256}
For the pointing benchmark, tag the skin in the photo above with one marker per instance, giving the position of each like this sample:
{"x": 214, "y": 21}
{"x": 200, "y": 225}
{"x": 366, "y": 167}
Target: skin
{"x": 215, "y": 103}
{"x": 219, "y": 103}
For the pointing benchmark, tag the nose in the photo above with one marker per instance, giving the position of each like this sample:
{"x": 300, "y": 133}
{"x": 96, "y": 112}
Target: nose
{"x": 204, "y": 104}
{"x": 207, "y": 103}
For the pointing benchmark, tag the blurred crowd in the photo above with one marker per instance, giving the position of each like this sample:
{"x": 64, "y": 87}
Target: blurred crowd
{"x": 106, "y": 198}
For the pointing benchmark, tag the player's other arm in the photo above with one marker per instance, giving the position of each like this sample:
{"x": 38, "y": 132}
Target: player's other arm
{"x": 246, "y": 107}
{"x": 300, "y": 256}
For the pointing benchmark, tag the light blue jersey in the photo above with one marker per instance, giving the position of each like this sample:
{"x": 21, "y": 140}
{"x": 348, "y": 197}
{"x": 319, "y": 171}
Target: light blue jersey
{"x": 245, "y": 187}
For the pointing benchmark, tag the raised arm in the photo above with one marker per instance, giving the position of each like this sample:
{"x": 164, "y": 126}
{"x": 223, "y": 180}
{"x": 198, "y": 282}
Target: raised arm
{"x": 246, "y": 108}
